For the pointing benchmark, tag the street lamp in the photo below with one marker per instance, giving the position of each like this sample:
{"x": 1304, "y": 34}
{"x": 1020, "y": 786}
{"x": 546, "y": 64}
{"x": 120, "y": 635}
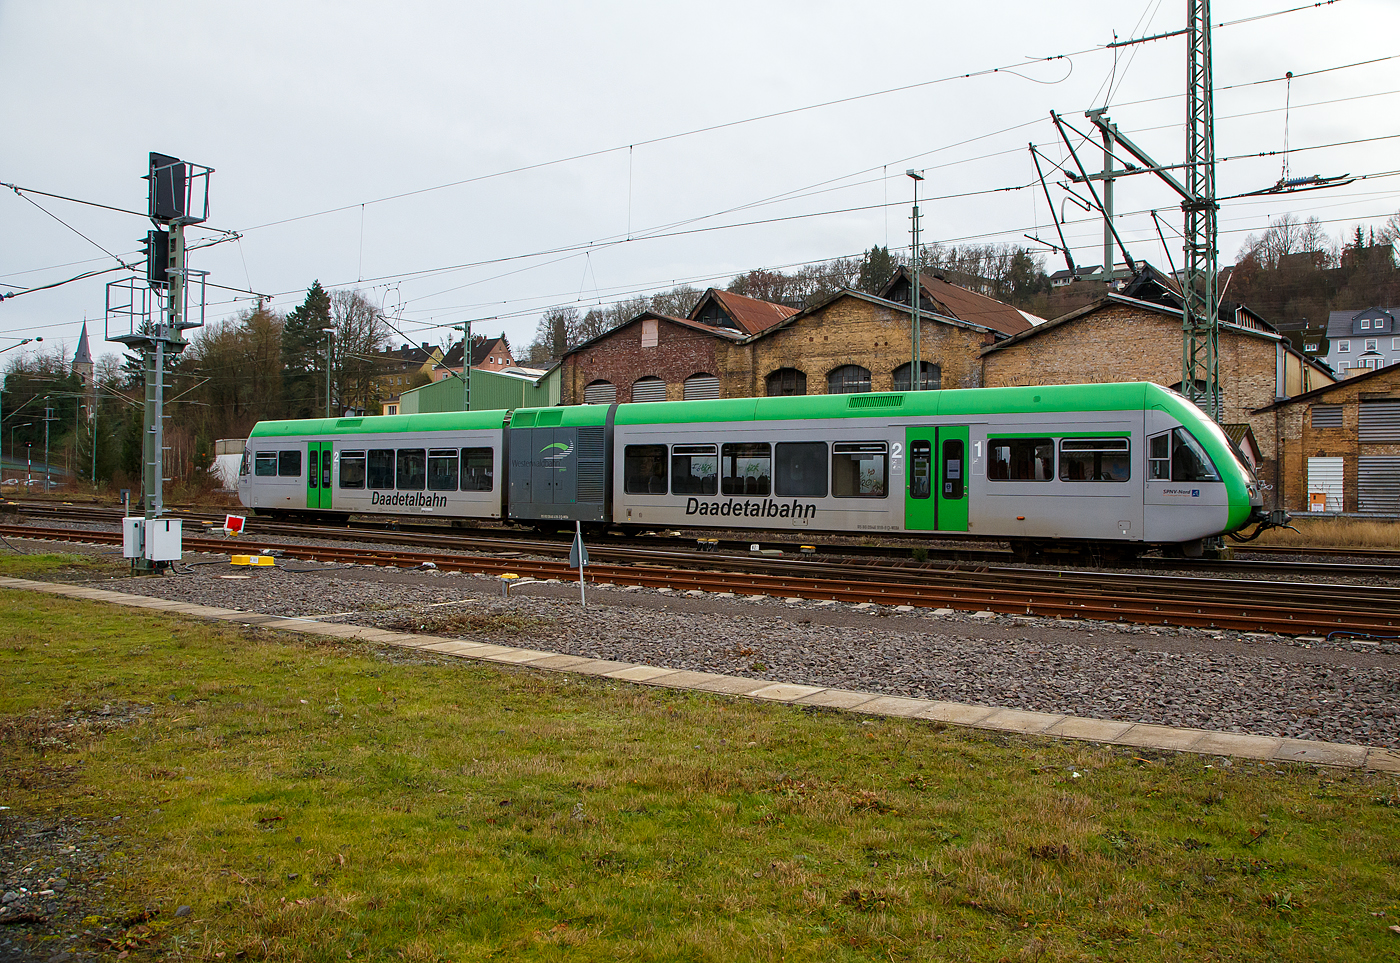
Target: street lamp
{"x": 2, "y": 407}
{"x": 328, "y": 332}
{"x": 916, "y": 367}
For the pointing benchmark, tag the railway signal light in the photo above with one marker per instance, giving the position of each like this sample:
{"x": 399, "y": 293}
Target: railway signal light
{"x": 167, "y": 188}
{"x": 157, "y": 249}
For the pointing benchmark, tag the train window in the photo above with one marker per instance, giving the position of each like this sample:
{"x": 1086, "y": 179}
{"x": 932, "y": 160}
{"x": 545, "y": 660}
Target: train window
{"x": 265, "y": 463}
{"x": 953, "y": 469}
{"x": 381, "y": 468}
{"x": 243, "y": 465}
{"x": 694, "y": 469}
{"x": 313, "y": 471}
{"x": 920, "y": 469}
{"x": 747, "y": 469}
{"x": 442, "y": 469}
{"x": 1095, "y": 459}
{"x": 476, "y": 469}
{"x": 1159, "y": 457}
{"x": 289, "y": 464}
{"x": 1190, "y": 463}
{"x": 860, "y": 469}
{"x": 352, "y": 469}
{"x": 644, "y": 470}
{"x": 1020, "y": 459}
{"x": 800, "y": 469}
{"x": 412, "y": 464}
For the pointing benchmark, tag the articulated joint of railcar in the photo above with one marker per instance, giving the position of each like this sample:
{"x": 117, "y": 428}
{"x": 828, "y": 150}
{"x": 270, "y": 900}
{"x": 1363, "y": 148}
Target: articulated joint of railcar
{"x": 1263, "y": 521}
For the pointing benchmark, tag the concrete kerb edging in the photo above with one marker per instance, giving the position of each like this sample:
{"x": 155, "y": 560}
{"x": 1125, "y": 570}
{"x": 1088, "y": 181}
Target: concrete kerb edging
{"x": 1015, "y": 721}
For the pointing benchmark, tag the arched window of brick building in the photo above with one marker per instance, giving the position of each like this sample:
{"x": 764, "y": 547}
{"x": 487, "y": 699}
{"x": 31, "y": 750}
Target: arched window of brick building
{"x": 786, "y": 381}
{"x": 932, "y": 378}
{"x": 600, "y": 393}
{"x": 701, "y": 387}
{"x": 849, "y": 379}
{"x": 649, "y": 389}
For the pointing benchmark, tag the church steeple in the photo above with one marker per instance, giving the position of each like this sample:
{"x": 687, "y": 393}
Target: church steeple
{"x": 83, "y": 368}
{"x": 82, "y": 358}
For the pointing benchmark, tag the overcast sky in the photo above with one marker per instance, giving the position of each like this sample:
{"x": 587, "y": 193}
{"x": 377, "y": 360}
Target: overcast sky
{"x": 469, "y": 161}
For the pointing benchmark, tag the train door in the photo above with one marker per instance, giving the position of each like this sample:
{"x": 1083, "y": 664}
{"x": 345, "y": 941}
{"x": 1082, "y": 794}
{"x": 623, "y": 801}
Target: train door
{"x": 551, "y": 474}
{"x": 318, "y": 474}
{"x": 936, "y": 497}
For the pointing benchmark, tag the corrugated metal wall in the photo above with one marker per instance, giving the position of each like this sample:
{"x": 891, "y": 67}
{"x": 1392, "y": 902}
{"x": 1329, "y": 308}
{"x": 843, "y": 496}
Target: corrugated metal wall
{"x": 1327, "y": 416}
{"x": 1378, "y": 484}
{"x": 1379, "y": 421}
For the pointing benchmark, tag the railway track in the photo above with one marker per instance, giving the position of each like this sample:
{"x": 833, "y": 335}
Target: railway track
{"x": 1285, "y": 560}
{"x": 1283, "y": 607}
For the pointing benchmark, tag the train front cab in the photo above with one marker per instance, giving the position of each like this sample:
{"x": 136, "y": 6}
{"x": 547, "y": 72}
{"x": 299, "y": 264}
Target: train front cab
{"x": 936, "y": 490}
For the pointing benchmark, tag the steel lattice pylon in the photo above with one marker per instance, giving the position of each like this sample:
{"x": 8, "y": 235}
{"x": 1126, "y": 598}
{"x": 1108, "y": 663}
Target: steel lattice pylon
{"x": 1200, "y": 358}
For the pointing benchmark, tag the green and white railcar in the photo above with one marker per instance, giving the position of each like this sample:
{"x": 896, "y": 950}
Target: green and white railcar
{"x": 438, "y": 465}
{"x": 1118, "y": 463}
{"x": 1127, "y": 465}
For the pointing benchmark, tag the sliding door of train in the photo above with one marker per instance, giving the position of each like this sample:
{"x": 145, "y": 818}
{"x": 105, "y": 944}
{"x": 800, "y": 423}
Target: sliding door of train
{"x": 936, "y": 497}
{"x": 318, "y": 474}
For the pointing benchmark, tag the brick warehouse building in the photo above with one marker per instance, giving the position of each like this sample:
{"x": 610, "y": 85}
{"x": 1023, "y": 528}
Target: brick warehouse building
{"x": 656, "y": 357}
{"x": 1341, "y": 442}
{"x": 1120, "y": 338}
{"x": 858, "y": 342}
{"x": 653, "y": 357}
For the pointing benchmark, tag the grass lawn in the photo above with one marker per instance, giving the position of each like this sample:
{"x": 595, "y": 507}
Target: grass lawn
{"x": 312, "y": 800}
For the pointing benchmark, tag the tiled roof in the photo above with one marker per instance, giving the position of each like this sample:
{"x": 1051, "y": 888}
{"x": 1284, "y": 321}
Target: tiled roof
{"x": 750, "y": 314}
{"x": 965, "y": 305}
{"x": 482, "y": 348}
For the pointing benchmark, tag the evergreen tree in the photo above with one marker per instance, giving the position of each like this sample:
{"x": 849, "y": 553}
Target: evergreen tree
{"x": 876, "y": 268}
{"x": 301, "y": 353}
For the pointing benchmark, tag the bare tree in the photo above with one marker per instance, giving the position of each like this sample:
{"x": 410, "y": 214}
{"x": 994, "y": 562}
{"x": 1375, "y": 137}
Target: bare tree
{"x": 360, "y": 335}
{"x": 1288, "y": 235}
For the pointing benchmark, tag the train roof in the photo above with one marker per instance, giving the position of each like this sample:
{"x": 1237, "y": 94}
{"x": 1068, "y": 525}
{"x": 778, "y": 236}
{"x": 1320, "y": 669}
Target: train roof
{"x": 1124, "y": 396}
{"x": 1128, "y": 396}
{"x": 379, "y": 424}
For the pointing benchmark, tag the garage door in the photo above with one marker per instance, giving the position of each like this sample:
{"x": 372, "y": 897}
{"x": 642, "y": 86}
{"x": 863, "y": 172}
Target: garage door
{"x": 1325, "y": 478}
{"x": 1378, "y": 484}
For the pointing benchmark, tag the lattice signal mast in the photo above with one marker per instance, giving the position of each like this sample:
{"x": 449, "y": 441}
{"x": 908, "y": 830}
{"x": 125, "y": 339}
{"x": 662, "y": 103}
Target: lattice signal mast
{"x": 151, "y": 315}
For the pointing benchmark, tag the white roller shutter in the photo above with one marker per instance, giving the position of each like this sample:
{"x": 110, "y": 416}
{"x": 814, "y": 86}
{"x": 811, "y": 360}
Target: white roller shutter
{"x": 1325, "y": 478}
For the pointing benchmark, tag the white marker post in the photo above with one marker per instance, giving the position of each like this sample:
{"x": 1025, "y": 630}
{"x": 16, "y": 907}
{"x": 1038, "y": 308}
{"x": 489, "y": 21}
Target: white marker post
{"x": 578, "y": 558}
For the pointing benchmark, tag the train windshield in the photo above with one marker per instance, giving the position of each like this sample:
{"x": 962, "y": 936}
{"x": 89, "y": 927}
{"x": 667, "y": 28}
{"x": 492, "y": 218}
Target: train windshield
{"x": 1189, "y": 461}
{"x": 1226, "y": 440}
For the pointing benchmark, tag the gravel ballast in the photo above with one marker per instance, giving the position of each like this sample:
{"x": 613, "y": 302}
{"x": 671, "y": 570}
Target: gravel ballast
{"x": 1342, "y": 691}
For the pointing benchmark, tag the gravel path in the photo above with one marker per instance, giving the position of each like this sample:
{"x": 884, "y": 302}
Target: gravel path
{"x": 1229, "y": 681}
